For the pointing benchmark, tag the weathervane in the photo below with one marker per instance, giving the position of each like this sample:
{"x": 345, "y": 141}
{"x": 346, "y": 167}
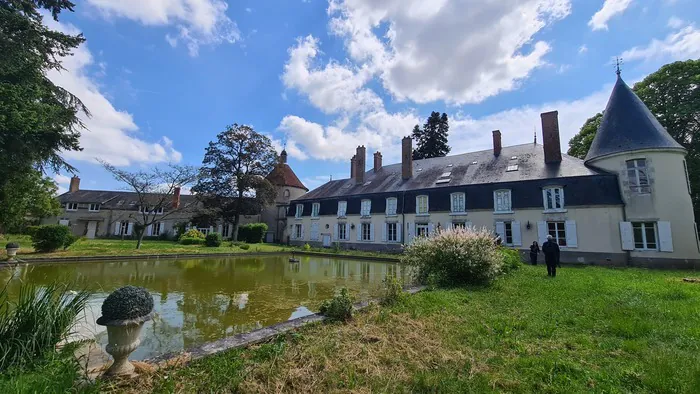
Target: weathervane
{"x": 534, "y": 132}
{"x": 618, "y": 63}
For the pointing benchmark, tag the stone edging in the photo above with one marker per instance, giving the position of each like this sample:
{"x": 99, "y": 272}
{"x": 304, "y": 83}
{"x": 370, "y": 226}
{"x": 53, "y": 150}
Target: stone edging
{"x": 255, "y": 336}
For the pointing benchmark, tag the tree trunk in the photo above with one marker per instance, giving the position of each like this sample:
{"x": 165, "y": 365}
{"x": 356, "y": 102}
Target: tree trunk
{"x": 140, "y": 237}
{"x": 236, "y": 221}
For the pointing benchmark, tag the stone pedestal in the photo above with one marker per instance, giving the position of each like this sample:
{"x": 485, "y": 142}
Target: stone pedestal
{"x": 121, "y": 342}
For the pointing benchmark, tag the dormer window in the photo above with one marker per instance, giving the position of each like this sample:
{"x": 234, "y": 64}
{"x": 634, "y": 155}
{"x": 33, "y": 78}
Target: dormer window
{"x": 553, "y": 198}
{"x": 285, "y": 194}
{"x": 72, "y": 206}
{"x": 638, "y": 176}
{"x": 159, "y": 211}
{"x": 315, "y": 209}
{"x": 342, "y": 208}
{"x": 502, "y": 201}
{"x": 299, "y": 211}
{"x": 366, "y": 207}
{"x": 391, "y": 204}
{"x": 94, "y": 208}
{"x": 422, "y": 205}
{"x": 457, "y": 202}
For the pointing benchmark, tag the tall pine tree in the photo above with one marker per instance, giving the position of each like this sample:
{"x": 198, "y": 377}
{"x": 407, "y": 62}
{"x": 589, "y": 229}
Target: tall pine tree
{"x": 431, "y": 141}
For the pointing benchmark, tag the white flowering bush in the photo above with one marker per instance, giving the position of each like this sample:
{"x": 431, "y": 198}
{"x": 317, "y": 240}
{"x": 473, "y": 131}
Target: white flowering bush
{"x": 456, "y": 257}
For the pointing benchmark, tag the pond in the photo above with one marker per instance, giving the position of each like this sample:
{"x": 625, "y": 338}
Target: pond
{"x": 205, "y": 299}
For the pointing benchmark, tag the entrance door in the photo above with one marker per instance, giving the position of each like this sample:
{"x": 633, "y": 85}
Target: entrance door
{"x": 91, "y": 229}
{"x": 326, "y": 240}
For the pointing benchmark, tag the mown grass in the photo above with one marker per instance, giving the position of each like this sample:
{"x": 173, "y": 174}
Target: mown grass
{"x": 589, "y": 330}
{"x": 118, "y": 247}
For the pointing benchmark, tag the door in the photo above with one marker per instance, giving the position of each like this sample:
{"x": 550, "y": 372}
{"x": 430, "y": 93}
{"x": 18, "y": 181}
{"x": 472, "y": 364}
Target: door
{"x": 326, "y": 240}
{"x": 91, "y": 229}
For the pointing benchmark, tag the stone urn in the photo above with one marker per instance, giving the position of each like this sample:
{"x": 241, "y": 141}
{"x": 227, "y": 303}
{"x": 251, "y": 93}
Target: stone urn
{"x": 123, "y": 313}
{"x": 12, "y": 248}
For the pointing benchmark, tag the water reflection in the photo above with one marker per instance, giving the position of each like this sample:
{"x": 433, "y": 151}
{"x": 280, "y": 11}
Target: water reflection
{"x": 200, "y": 300}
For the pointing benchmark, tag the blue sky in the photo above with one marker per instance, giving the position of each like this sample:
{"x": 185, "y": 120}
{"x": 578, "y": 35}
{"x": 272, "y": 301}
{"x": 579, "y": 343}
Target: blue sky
{"x": 162, "y": 78}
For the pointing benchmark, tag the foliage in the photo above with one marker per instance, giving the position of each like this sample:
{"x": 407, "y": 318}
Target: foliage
{"x": 126, "y": 303}
{"x": 431, "y": 141}
{"x": 456, "y": 257}
{"x": 392, "y": 292}
{"x": 12, "y": 245}
{"x": 155, "y": 191}
{"x": 232, "y": 179}
{"x": 336, "y": 247}
{"x": 51, "y": 237}
{"x": 511, "y": 259}
{"x": 30, "y": 230}
{"x": 671, "y": 94}
{"x": 307, "y": 247}
{"x": 339, "y": 308}
{"x": 581, "y": 142}
{"x": 28, "y": 195}
{"x": 191, "y": 241}
{"x": 252, "y": 233}
{"x": 213, "y": 240}
{"x": 180, "y": 228}
{"x": 244, "y": 246}
{"x": 32, "y": 324}
{"x": 192, "y": 233}
{"x": 56, "y": 372}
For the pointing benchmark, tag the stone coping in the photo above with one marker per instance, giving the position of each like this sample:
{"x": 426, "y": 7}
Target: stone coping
{"x": 256, "y": 336}
{"x": 78, "y": 259}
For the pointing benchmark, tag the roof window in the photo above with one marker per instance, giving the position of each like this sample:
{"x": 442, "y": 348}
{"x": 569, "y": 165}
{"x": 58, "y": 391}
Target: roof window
{"x": 513, "y": 167}
{"x": 474, "y": 162}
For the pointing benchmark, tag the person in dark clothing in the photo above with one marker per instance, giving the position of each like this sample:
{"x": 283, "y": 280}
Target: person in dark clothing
{"x": 534, "y": 251}
{"x": 550, "y": 249}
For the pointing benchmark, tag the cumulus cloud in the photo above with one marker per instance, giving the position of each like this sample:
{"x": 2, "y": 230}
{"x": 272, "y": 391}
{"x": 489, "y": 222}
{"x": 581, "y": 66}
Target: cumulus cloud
{"x": 111, "y": 134}
{"x": 63, "y": 182}
{"x": 197, "y": 22}
{"x": 611, "y": 8}
{"x": 682, "y": 44}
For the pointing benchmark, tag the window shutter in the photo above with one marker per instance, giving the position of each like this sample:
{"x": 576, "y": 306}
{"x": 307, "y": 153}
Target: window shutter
{"x": 116, "y": 227}
{"x": 448, "y": 225}
{"x": 220, "y": 229}
{"x": 468, "y": 224}
{"x": 129, "y": 228}
{"x": 571, "y": 236}
{"x": 371, "y": 232}
{"x": 409, "y": 232}
{"x": 517, "y": 237}
{"x": 384, "y": 232}
{"x": 347, "y": 231}
{"x": 335, "y": 232}
{"x": 544, "y": 199}
{"x": 665, "y": 238}
{"x": 431, "y": 229}
{"x": 149, "y": 230}
{"x": 627, "y": 236}
{"x": 495, "y": 202}
{"x": 358, "y": 228}
{"x": 501, "y": 231}
{"x": 400, "y": 230}
{"x": 542, "y": 232}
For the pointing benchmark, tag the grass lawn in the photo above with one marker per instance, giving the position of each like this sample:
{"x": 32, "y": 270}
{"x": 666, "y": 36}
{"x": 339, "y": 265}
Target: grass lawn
{"x": 117, "y": 247}
{"x": 589, "y": 330}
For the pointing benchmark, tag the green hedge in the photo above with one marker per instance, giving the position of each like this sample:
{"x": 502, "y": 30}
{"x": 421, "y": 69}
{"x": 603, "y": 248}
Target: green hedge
{"x": 213, "y": 240}
{"x": 252, "y": 233}
{"x": 51, "y": 237}
{"x": 191, "y": 241}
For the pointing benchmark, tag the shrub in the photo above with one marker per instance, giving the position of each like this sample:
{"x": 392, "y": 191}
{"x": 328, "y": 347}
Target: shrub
{"x": 245, "y": 246}
{"x": 338, "y": 308}
{"x": 213, "y": 240}
{"x": 31, "y": 230}
{"x": 252, "y": 233}
{"x": 164, "y": 236}
{"x": 31, "y": 326}
{"x": 392, "y": 292}
{"x": 456, "y": 257}
{"x": 51, "y": 237}
{"x": 191, "y": 241}
{"x": 307, "y": 247}
{"x": 511, "y": 259}
{"x": 237, "y": 243}
{"x": 192, "y": 233}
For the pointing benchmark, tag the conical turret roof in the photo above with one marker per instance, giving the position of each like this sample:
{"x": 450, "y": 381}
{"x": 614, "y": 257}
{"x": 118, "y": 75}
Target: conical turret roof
{"x": 628, "y": 125}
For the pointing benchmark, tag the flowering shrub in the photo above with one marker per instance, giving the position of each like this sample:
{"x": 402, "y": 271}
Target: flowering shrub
{"x": 456, "y": 257}
{"x": 192, "y": 233}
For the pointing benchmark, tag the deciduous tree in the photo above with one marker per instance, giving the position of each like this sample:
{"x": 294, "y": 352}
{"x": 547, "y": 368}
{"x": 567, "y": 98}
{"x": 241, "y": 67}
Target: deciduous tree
{"x": 29, "y": 197}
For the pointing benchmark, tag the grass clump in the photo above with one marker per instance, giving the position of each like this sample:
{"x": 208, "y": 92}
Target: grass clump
{"x": 456, "y": 257}
{"x": 338, "y": 308}
{"x": 392, "y": 291}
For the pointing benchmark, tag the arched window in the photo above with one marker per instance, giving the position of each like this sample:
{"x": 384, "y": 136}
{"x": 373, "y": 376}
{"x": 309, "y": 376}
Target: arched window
{"x": 286, "y": 193}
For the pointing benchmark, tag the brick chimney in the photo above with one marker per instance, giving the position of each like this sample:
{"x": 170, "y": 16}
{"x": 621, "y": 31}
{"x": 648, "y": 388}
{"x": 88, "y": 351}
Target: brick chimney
{"x": 497, "y": 142}
{"x": 550, "y": 137}
{"x": 377, "y": 161}
{"x": 360, "y": 158}
{"x": 406, "y": 158}
{"x": 176, "y": 198}
{"x": 352, "y": 166}
{"x": 74, "y": 184}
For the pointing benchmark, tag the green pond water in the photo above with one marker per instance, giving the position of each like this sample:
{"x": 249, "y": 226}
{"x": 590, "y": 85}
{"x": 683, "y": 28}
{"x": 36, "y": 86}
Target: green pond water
{"x": 201, "y": 300}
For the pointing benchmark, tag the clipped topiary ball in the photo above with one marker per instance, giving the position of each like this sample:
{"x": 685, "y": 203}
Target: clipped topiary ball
{"x": 129, "y": 303}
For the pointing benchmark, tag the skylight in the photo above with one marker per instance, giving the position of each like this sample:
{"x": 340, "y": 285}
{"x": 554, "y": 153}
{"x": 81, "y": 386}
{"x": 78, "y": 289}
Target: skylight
{"x": 473, "y": 162}
{"x": 513, "y": 167}
{"x": 446, "y": 174}
{"x": 442, "y": 180}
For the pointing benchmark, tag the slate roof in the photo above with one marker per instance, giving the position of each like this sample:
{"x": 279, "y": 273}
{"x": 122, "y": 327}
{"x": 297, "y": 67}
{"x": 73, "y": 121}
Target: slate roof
{"x": 283, "y": 175}
{"x": 488, "y": 169}
{"x": 111, "y": 199}
{"x": 628, "y": 125}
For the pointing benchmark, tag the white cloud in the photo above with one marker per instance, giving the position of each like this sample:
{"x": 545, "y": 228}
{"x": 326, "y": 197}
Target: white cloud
{"x": 249, "y": 10}
{"x": 680, "y": 45}
{"x": 600, "y": 19}
{"x": 675, "y": 22}
{"x": 582, "y": 49}
{"x": 110, "y": 132}
{"x": 459, "y": 51}
{"x": 63, "y": 183}
{"x": 198, "y": 22}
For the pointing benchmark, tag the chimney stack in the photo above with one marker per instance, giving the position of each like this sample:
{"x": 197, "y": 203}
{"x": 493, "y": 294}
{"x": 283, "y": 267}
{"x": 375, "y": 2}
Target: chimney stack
{"x": 74, "y": 184}
{"x": 283, "y": 157}
{"x": 360, "y": 158}
{"x": 497, "y": 142}
{"x": 377, "y": 161}
{"x": 550, "y": 137}
{"x": 352, "y": 166}
{"x": 406, "y": 158}
{"x": 176, "y": 198}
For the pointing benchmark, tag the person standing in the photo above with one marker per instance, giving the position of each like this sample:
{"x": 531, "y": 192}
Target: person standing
{"x": 534, "y": 251}
{"x": 550, "y": 249}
